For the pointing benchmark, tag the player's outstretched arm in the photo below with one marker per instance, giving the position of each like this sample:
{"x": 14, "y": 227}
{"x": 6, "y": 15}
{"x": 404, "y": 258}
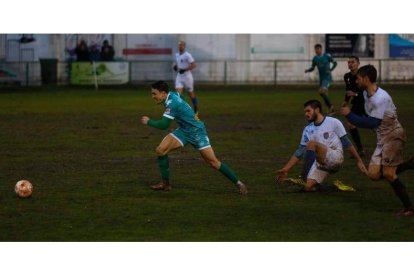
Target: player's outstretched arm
{"x": 164, "y": 123}
{"x": 311, "y": 68}
{"x": 346, "y": 144}
{"x": 282, "y": 174}
{"x": 334, "y": 64}
{"x": 358, "y": 159}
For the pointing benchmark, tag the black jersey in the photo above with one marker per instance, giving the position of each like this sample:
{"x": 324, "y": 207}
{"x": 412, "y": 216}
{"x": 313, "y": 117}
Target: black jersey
{"x": 350, "y": 84}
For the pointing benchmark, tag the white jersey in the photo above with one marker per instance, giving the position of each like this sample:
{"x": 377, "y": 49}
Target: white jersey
{"x": 381, "y": 106}
{"x": 184, "y": 60}
{"x": 328, "y": 133}
{"x": 184, "y": 80}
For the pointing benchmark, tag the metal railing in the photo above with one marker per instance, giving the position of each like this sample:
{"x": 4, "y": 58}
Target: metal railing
{"x": 221, "y": 71}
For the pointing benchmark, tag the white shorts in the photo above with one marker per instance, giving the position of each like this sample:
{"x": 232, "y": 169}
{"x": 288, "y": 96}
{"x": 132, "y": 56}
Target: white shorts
{"x": 185, "y": 81}
{"x": 332, "y": 163}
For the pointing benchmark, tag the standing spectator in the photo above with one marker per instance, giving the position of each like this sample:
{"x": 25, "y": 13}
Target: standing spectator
{"x": 95, "y": 55}
{"x": 82, "y": 51}
{"x": 107, "y": 51}
{"x": 323, "y": 62}
{"x": 184, "y": 80}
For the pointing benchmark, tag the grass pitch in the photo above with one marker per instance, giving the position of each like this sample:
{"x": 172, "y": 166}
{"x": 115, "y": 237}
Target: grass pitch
{"x": 91, "y": 163}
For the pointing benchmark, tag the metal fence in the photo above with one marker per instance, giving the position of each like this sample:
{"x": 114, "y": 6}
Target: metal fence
{"x": 218, "y": 71}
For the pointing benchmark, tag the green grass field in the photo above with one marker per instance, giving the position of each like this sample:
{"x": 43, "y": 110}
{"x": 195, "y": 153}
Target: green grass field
{"x": 92, "y": 162}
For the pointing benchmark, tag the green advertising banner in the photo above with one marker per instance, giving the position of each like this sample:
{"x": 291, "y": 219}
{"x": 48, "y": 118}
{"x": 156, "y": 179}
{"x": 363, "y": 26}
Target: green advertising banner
{"x": 100, "y": 72}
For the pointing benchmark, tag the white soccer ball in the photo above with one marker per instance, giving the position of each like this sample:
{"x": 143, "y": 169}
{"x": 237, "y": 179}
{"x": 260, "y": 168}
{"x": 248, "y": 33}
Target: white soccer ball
{"x": 23, "y": 188}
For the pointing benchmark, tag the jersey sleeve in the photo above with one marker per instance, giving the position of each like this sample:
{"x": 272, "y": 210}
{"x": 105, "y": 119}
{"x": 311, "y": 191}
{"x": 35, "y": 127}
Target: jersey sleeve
{"x": 313, "y": 63}
{"x": 331, "y": 60}
{"x": 347, "y": 84}
{"x": 380, "y": 107}
{"x": 170, "y": 110}
{"x": 339, "y": 129}
{"x": 190, "y": 58}
{"x": 329, "y": 57}
{"x": 305, "y": 136}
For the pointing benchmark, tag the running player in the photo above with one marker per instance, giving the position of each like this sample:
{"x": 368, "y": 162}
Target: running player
{"x": 191, "y": 131}
{"x": 184, "y": 80}
{"x": 323, "y": 62}
{"x": 323, "y": 141}
{"x": 356, "y": 93}
{"x": 382, "y": 116}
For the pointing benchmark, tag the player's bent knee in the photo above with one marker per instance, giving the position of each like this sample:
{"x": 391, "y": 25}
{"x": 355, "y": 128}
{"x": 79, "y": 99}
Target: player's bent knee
{"x": 389, "y": 176}
{"x": 160, "y": 151}
{"x": 374, "y": 176}
{"x": 214, "y": 163}
{"x": 311, "y": 145}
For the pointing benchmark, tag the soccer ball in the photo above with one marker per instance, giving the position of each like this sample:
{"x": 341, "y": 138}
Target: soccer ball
{"x": 23, "y": 188}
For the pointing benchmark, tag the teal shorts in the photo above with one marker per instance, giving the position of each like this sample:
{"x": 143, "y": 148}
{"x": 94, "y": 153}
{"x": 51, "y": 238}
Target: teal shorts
{"x": 325, "y": 82}
{"x": 196, "y": 137}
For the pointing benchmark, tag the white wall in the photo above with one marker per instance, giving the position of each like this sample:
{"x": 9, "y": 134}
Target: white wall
{"x": 232, "y": 57}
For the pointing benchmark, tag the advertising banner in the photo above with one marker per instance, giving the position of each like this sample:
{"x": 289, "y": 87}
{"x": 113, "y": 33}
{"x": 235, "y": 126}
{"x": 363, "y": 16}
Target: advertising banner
{"x": 100, "y": 72}
{"x": 344, "y": 45}
{"x": 401, "y": 45}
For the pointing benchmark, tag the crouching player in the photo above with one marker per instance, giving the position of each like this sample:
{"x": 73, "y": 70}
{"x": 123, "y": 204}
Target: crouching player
{"x": 322, "y": 143}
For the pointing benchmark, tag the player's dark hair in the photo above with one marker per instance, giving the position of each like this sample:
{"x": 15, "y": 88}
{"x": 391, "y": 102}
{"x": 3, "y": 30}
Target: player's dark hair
{"x": 314, "y": 104}
{"x": 318, "y": 45}
{"x": 354, "y": 57}
{"x": 368, "y": 70}
{"x": 160, "y": 86}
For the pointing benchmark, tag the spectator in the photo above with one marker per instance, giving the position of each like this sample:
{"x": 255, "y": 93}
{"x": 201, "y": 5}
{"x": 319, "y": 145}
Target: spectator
{"x": 82, "y": 51}
{"x": 107, "y": 51}
{"x": 95, "y": 55}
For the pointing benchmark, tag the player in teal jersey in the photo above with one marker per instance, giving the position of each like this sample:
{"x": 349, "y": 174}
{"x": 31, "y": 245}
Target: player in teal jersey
{"x": 323, "y": 62}
{"x": 191, "y": 131}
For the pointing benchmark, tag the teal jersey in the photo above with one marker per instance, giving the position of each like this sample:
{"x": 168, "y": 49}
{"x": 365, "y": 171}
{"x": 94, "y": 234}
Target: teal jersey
{"x": 323, "y": 62}
{"x": 177, "y": 109}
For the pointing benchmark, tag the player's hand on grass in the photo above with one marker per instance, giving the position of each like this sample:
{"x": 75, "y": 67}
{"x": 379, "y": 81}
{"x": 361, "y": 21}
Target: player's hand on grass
{"x": 144, "y": 120}
{"x": 281, "y": 175}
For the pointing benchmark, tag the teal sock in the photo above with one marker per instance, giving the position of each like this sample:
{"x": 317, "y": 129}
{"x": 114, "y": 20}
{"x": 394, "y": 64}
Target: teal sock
{"x": 326, "y": 99}
{"x": 164, "y": 165}
{"x": 228, "y": 172}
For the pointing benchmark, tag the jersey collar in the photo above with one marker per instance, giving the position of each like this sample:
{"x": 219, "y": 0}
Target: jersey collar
{"x": 324, "y": 117}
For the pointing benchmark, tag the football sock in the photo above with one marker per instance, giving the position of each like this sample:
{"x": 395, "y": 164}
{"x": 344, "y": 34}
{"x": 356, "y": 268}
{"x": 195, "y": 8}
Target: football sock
{"x": 357, "y": 139}
{"x": 195, "y": 104}
{"x": 164, "y": 166}
{"x": 401, "y": 192}
{"x": 228, "y": 172}
{"x": 326, "y": 99}
{"x": 310, "y": 157}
